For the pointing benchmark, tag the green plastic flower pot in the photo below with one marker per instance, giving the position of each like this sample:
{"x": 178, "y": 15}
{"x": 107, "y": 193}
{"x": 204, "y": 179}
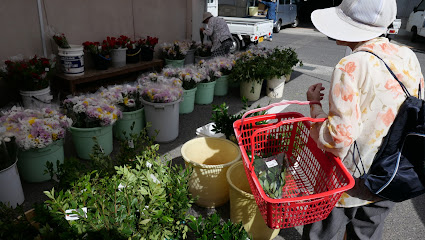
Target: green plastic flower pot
{"x": 188, "y": 103}
{"x": 122, "y": 128}
{"x": 83, "y": 140}
{"x": 174, "y": 63}
{"x": 205, "y": 93}
{"x": 222, "y": 86}
{"x": 32, "y": 163}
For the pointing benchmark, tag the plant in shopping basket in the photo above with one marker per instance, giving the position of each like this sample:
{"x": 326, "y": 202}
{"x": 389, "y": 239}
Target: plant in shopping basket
{"x": 150, "y": 199}
{"x": 29, "y": 74}
{"x": 212, "y": 228}
{"x": 60, "y": 40}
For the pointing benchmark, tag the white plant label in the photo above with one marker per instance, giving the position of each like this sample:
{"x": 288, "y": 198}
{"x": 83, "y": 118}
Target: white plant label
{"x": 101, "y": 149}
{"x": 46, "y": 69}
{"x": 272, "y": 163}
{"x": 121, "y": 186}
{"x": 148, "y": 164}
{"x": 73, "y": 216}
{"x": 131, "y": 143}
{"x": 154, "y": 179}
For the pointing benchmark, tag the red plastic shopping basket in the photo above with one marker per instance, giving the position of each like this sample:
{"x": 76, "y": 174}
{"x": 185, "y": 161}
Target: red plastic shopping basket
{"x": 315, "y": 179}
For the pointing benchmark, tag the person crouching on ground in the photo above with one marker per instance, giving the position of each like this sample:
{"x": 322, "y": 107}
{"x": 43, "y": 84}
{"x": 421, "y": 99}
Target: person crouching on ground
{"x": 219, "y": 33}
{"x": 364, "y": 99}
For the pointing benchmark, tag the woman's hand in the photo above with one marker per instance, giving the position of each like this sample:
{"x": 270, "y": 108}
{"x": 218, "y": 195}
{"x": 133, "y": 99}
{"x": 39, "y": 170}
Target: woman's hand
{"x": 201, "y": 29}
{"x": 314, "y": 92}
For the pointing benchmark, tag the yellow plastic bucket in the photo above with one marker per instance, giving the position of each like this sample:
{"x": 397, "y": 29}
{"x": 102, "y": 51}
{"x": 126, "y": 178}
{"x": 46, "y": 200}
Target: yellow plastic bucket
{"x": 253, "y": 11}
{"x": 243, "y": 207}
{"x": 210, "y": 158}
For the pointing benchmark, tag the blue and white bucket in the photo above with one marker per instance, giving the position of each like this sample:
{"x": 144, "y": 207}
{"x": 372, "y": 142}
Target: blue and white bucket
{"x": 72, "y": 60}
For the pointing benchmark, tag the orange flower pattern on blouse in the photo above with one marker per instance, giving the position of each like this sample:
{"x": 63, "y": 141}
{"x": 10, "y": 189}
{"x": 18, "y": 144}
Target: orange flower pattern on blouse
{"x": 387, "y": 118}
{"x": 343, "y": 91}
{"x": 349, "y": 68}
{"x": 394, "y": 87}
{"x": 344, "y": 135}
{"x": 363, "y": 102}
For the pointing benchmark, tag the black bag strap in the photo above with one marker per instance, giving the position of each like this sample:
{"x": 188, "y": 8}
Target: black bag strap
{"x": 355, "y": 147}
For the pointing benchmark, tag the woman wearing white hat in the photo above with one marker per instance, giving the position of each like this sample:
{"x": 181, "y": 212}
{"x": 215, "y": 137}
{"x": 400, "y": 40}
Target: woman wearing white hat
{"x": 364, "y": 99}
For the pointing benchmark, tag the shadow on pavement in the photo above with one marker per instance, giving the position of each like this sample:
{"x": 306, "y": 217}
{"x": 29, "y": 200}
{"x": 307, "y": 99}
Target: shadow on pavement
{"x": 418, "y": 204}
{"x": 290, "y": 234}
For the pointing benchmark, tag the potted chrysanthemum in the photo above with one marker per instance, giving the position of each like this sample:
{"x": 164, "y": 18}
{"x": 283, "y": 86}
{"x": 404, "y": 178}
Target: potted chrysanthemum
{"x": 93, "y": 117}
{"x": 222, "y": 67}
{"x": 127, "y": 98}
{"x": 203, "y": 52}
{"x": 161, "y": 97}
{"x": 39, "y": 136}
{"x": 174, "y": 53}
{"x": 208, "y": 74}
{"x": 32, "y": 78}
{"x": 190, "y": 77}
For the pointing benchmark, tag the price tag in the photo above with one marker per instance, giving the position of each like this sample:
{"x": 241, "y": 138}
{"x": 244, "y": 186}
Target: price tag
{"x": 121, "y": 186}
{"x": 101, "y": 149}
{"x": 272, "y": 163}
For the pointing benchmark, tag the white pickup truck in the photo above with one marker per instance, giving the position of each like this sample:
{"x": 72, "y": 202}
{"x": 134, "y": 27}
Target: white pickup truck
{"x": 248, "y": 30}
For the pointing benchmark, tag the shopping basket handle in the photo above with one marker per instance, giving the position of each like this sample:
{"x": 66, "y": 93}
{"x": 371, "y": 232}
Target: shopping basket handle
{"x": 277, "y": 104}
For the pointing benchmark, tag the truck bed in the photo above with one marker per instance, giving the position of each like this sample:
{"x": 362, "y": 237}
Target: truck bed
{"x": 253, "y": 27}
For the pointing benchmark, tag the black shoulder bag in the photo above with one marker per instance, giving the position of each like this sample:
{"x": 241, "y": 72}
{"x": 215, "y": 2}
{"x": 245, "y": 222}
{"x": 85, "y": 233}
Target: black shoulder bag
{"x": 398, "y": 169}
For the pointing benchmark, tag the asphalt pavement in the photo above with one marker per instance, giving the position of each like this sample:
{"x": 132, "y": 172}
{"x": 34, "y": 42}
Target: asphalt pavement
{"x": 319, "y": 56}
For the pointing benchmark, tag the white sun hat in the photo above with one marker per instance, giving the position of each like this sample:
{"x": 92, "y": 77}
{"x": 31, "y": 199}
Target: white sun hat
{"x": 355, "y": 20}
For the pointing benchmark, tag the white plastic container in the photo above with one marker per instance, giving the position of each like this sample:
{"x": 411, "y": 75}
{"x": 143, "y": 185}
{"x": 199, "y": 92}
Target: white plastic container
{"x": 72, "y": 60}
{"x": 275, "y": 87}
{"x": 10, "y": 186}
{"x": 119, "y": 57}
{"x": 164, "y": 118}
{"x": 36, "y": 99}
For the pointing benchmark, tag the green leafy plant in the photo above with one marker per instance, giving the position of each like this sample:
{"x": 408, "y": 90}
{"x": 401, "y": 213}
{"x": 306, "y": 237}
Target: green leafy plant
{"x": 223, "y": 120}
{"x": 14, "y": 224}
{"x": 282, "y": 61}
{"x": 212, "y": 228}
{"x": 147, "y": 201}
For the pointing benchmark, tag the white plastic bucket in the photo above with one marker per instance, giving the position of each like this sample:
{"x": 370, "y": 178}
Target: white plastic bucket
{"x": 119, "y": 57}
{"x": 275, "y": 87}
{"x": 10, "y": 186}
{"x": 36, "y": 99}
{"x": 72, "y": 60}
{"x": 164, "y": 118}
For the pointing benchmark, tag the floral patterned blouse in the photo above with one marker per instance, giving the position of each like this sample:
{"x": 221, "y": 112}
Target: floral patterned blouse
{"x": 364, "y": 99}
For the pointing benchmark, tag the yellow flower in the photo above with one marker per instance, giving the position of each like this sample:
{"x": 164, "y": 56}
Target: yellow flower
{"x": 125, "y": 100}
{"x": 114, "y": 116}
{"x": 54, "y": 136}
{"x": 99, "y": 110}
{"x": 30, "y": 136}
{"x": 86, "y": 103}
{"x": 31, "y": 121}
